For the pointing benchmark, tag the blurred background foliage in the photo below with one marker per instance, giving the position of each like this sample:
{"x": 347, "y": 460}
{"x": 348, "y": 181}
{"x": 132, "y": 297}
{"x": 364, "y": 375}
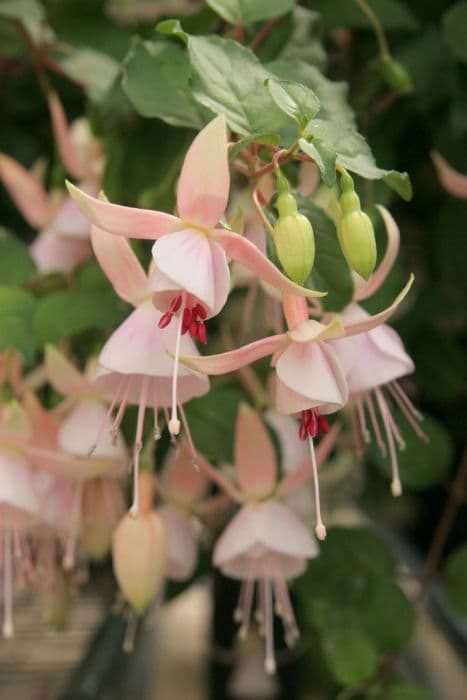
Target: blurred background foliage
{"x": 106, "y": 60}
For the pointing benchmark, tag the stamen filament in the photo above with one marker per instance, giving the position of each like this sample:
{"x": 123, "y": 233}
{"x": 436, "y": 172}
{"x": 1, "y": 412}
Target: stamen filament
{"x": 174, "y": 423}
{"x": 130, "y": 633}
{"x": 320, "y": 528}
{"x": 7, "y": 627}
{"x": 410, "y": 417}
{"x": 106, "y": 418}
{"x": 122, "y": 407}
{"x": 375, "y": 425}
{"x": 157, "y": 431}
{"x": 413, "y": 410}
{"x": 189, "y": 437}
{"x": 361, "y": 419}
{"x": 139, "y": 444}
{"x": 396, "y": 486}
{"x": 70, "y": 547}
{"x": 269, "y": 661}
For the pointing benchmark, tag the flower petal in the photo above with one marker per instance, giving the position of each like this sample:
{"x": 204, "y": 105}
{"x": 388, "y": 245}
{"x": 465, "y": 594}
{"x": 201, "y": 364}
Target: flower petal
{"x": 294, "y": 451}
{"x": 234, "y": 359}
{"x": 63, "y": 139}
{"x": 69, "y": 221}
{"x": 180, "y": 480}
{"x": 239, "y": 248}
{"x": 26, "y": 191}
{"x": 203, "y": 187}
{"x": 78, "y": 432}
{"x": 390, "y": 255}
{"x": 255, "y": 459}
{"x": 313, "y": 373}
{"x": 182, "y": 545}
{"x": 64, "y": 376}
{"x": 453, "y": 182}
{"x": 124, "y": 221}
{"x": 55, "y": 253}
{"x": 372, "y": 321}
{"x": 120, "y": 265}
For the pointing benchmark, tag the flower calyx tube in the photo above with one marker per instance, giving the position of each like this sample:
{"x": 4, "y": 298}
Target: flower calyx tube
{"x": 355, "y": 231}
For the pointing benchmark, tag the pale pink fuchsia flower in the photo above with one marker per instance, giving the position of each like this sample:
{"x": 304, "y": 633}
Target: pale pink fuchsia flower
{"x": 374, "y": 360}
{"x": 265, "y": 544}
{"x": 183, "y": 489}
{"x": 453, "y": 182}
{"x": 134, "y": 365}
{"x": 191, "y": 276}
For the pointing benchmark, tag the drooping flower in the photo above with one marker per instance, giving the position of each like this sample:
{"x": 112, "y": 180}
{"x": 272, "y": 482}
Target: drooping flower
{"x": 134, "y": 366}
{"x": 374, "y": 360}
{"x": 265, "y": 544}
{"x": 191, "y": 275}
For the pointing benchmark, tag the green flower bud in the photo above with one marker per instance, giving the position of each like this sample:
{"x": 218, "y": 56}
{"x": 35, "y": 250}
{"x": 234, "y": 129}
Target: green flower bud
{"x": 293, "y": 235}
{"x": 396, "y": 76}
{"x": 355, "y": 231}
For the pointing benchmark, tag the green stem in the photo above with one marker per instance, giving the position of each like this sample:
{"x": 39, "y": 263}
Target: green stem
{"x": 377, "y": 28}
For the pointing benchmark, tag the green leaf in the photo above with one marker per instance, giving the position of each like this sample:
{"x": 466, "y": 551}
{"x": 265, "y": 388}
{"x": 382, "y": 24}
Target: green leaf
{"x": 248, "y": 11}
{"x": 349, "y": 652}
{"x": 16, "y": 264}
{"x": 455, "y": 576}
{"x": 64, "y": 313}
{"x": 31, "y": 15}
{"x": 332, "y": 96}
{"x": 294, "y": 99}
{"x": 422, "y": 464}
{"x": 454, "y": 25}
{"x": 212, "y": 423}
{"x": 405, "y": 691}
{"x": 155, "y": 78}
{"x": 393, "y": 14}
{"x": 387, "y": 615}
{"x": 16, "y": 318}
{"x": 303, "y": 43}
{"x": 94, "y": 70}
{"x": 330, "y": 272}
{"x": 269, "y": 139}
{"x": 354, "y": 154}
{"x": 172, "y": 27}
{"x": 228, "y": 79}
{"x": 323, "y": 157}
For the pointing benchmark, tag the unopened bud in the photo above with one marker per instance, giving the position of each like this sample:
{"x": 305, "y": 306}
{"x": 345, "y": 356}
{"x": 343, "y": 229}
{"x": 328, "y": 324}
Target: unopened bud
{"x": 396, "y": 76}
{"x": 355, "y": 231}
{"x": 293, "y": 236}
{"x": 103, "y": 504}
{"x": 139, "y": 550}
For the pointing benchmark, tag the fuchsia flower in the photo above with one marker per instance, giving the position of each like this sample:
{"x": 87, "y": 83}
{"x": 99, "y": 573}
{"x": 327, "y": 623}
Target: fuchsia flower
{"x": 453, "y": 182}
{"x": 191, "y": 276}
{"x": 134, "y": 366}
{"x": 182, "y": 488}
{"x": 374, "y": 360}
{"x": 265, "y": 544}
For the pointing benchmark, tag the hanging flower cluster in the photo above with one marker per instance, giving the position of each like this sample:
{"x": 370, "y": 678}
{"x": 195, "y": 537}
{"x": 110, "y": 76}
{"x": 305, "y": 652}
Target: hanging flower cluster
{"x": 73, "y": 458}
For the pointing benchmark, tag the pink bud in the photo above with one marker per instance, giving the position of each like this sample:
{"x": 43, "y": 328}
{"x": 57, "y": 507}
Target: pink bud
{"x": 139, "y": 549}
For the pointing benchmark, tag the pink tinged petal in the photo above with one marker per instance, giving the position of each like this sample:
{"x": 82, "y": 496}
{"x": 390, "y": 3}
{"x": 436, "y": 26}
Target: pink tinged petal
{"x": 180, "y": 480}
{"x": 26, "y": 191}
{"x": 453, "y": 182}
{"x": 42, "y": 426}
{"x": 269, "y": 526}
{"x": 63, "y": 375}
{"x": 203, "y": 187}
{"x": 16, "y": 479}
{"x": 234, "y": 359}
{"x": 139, "y": 552}
{"x": 182, "y": 544}
{"x": 310, "y": 376}
{"x": 55, "y": 253}
{"x": 103, "y": 505}
{"x": 120, "y": 265}
{"x": 77, "y": 433}
{"x": 355, "y": 327}
{"x": 188, "y": 260}
{"x": 390, "y": 255}
{"x": 255, "y": 459}
{"x": 124, "y": 221}
{"x": 243, "y": 251}
{"x": 78, "y": 468}
{"x": 69, "y": 221}
{"x": 63, "y": 138}
{"x": 293, "y": 451}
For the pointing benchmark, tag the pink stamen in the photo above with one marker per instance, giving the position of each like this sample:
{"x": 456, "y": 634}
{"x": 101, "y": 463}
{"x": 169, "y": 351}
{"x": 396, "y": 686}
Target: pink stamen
{"x": 413, "y": 410}
{"x": 247, "y": 593}
{"x": 130, "y": 633}
{"x": 355, "y": 430}
{"x": 320, "y": 528}
{"x": 7, "y": 628}
{"x": 200, "y": 312}
{"x": 193, "y": 328}
{"x": 157, "y": 432}
{"x": 269, "y": 661}
{"x": 121, "y": 410}
{"x": 394, "y": 427}
{"x": 186, "y": 320}
{"x": 174, "y": 423}
{"x": 411, "y": 419}
{"x": 375, "y": 425}
{"x": 176, "y": 304}
{"x": 396, "y": 486}
{"x": 165, "y": 319}
{"x": 70, "y": 546}
{"x": 189, "y": 437}
{"x": 362, "y": 422}
{"x": 202, "y": 333}
{"x": 106, "y": 418}
{"x": 138, "y": 444}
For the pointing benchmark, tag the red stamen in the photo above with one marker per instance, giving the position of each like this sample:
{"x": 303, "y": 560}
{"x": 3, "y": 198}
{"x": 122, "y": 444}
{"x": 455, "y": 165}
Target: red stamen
{"x": 165, "y": 319}
{"x": 193, "y": 328}
{"x": 313, "y": 425}
{"x": 200, "y": 312}
{"x": 202, "y": 333}
{"x": 302, "y": 431}
{"x": 323, "y": 424}
{"x": 176, "y": 304}
{"x": 186, "y": 321}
